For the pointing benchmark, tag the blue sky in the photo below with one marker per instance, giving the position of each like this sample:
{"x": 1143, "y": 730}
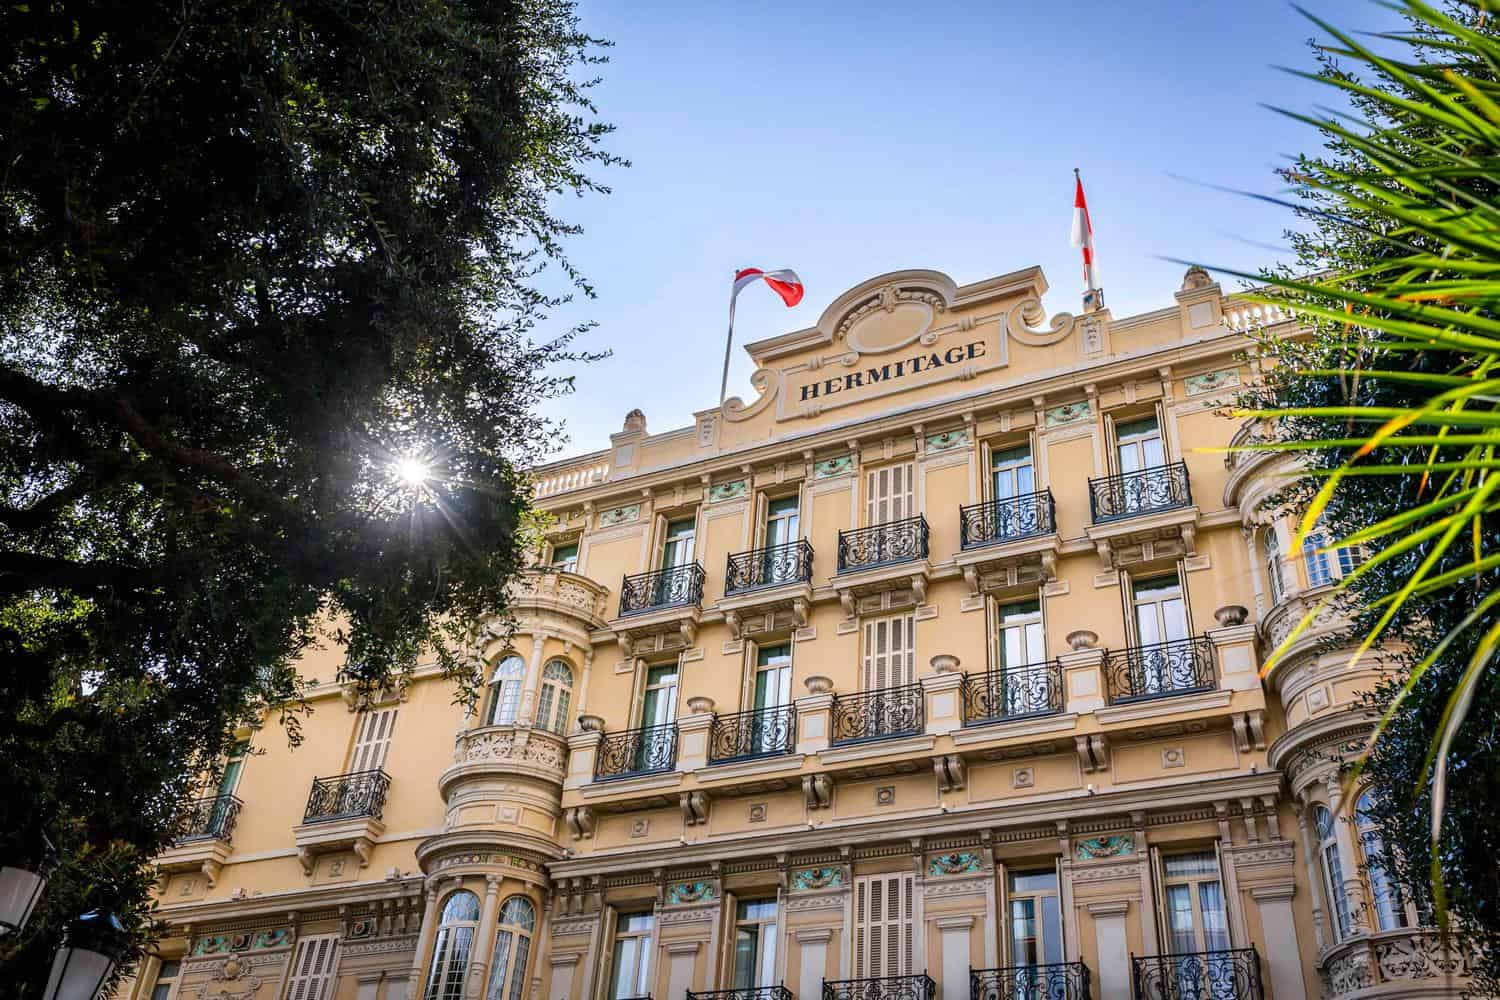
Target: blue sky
{"x": 844, "y": 140}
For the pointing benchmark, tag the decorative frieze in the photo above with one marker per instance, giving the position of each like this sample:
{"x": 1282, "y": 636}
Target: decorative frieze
{"x": 805, "y": 879}
{"x": 1093, "y": 848}
{"x": 683, "y": 893}
{"x": 1197, "y": 385}
{"x": 947, "y": 440}
{"x": 830, "y": 467}
{"x": 620, "y": 515}
{"x": 1068, "y": 413}
{"x": 957, "y": 863}
{"x": 223, "y": 944}
{"x": 732, "y": 490}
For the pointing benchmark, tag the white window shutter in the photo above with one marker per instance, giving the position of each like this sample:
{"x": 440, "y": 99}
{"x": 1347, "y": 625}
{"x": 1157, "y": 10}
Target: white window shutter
{"x": 373, "y": 741}
{"x": 313, "y": 968}
{"x": 888, "y": 494}
{"x": 883, "y": 924}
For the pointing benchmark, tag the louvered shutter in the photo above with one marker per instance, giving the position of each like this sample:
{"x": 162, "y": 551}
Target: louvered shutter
{"x": 883, "y": 924}
{"x": 313, "y": 968}
{"x": 888, "y": 494}
{"x": 373, "y": 740}
{"x": 889, "y": 652}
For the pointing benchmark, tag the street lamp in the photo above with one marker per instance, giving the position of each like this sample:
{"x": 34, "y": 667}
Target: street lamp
{"x": 21, "y": 886}
{"x": 87, "y": 958}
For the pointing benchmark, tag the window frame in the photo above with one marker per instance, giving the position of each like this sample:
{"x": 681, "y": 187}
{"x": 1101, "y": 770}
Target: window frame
{"x": 1332, "y": 868}
{"x": 173, "y": 981}
{"x": 519, "y": 940}
{"x": 767, "y": 933}
{"x": 554, "y": 698}
{"x": 643, "y": 971}
{"x": 449, "y": 985}
{"x": 497, "y": 688}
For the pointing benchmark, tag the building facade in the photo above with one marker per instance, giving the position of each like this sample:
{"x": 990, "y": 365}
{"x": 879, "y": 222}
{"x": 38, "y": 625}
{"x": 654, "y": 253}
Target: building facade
{"x": 931, "y": 672}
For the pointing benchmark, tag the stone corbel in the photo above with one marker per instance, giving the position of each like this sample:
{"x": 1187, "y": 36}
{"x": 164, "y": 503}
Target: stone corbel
{"x": 1106, "y": 554}
{"x": 817, "y": 790}
{"x": 1099, "y": 747}
{"x": 732, "y": 619}
{"x": 971, "y": 577}
{"x": 846, "y": 601}
{"x": 1188, "y": 535}
{"x": 363, "y": 848}
{"x": 307, "y": 859}
{"x": 951, "y": 773}
{"x": 695, "y": 806}
{"x": 689, "y": 630}
{"x": 210, "y": 869}
{"x": 1241, "y": 732}
{"x": 1247, "y": 816}
{"x": 919, "y": 588}
{"x": 625, "y": 644}
{"x": 1273, "y": 821}
{"x": 1049, "y": 565}
{"x": 580, "y": 821}
{"x": 799, "y": 612}
{"x": 1256, "y": 717}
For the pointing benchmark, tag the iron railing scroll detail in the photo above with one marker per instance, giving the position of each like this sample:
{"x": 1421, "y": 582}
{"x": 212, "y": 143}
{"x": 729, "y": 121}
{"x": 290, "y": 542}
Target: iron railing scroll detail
{"x": 1012, "y": 693}
{"x": 918, "y": 986}
{"x": 772, "y": 566}
{"x": 763, "y": 732}
{"x": 1181, "y": 666}
{"x": 777, "y": 992}
{"x": 1057, "y": 981}
{"x": 347, "y": 796}
{"x": 879, "y": 714}
{"x": 1006, "y": 519}
{"x": 211, "y": 818}
{"x": 1231, "y": 974}
{"x": 647, "y": 750}
{"x": 1162, "y": 487}
{"x": 881, "y": 544}
{"x": 677, "y": 587}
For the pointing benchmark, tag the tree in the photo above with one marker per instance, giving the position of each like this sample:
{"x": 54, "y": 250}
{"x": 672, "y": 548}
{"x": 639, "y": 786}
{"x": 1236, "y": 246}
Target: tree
{"x": 269, "y": 278}
{"x": 1391, "y": 403}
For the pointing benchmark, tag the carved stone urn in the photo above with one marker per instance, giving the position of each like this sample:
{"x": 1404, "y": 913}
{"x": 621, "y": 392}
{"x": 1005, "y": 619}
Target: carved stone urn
{"x": 945, "y": 663}
{"x": 818, "y": 684}
{"x": 591, "y": 723}
{"x": 699, "y": 705}
{"x": 1082, "y": 639}
{"x": 1232, "y": 614}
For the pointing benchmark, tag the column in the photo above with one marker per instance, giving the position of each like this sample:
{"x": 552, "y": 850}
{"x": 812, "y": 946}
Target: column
{"x": 526, "y": 714}
{"x": 484, "y": 937}
{"x": 1343, "y": 835}
{"x": 954, "y": 939}
{"x": 368, "y": 985}
{"x": 814, "y": 942}
{"x": 681, "y": 957}
{"x": 1282, "y": 955}
{"x": 1113, "y": 949}
{"x": 424, "y": 942}
{"x": 1310, "y": 858}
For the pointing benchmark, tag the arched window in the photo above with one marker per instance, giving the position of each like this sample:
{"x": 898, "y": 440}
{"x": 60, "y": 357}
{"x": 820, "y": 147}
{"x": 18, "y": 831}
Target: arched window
{"x": 455, "y": 942}
{"x": 1390, "y": 911}
{"x": 556, "y": 695}
{"x": 1273, "y": 564}
{"x": 512, "y": 947}
{"x": 1323, "y": 566}
{"x": 505, "y": 691}
{"x": 1333, "y": 870}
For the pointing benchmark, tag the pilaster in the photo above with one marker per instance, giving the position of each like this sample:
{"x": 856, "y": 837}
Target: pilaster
{"x": 1083, "y": 686}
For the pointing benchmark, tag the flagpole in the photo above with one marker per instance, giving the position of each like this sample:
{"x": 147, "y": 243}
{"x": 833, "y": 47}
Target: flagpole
{"x": 728, "y": 341}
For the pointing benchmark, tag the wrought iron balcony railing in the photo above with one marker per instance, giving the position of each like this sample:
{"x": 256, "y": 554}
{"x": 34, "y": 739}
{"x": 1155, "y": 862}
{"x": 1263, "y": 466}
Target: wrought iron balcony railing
{"x": 777, "y": 992}
{"x": 648, "y": 750}
{"x": 1144, "y": 492}
{"x": 1006, "y": 519}
{"x": 769, "y": 567}
{"x": 1181, "y": 666}
{"x": 678, "y": 587}
{"x": 1058, "y": 981}
{"x": 918, "y": 986}
{"x": 880, "y": 544}
{"x": 346, "y": 796}
{"x": 1013, "y": 693}
{"x": 1232, "y": 974}
{"x": 764, "y": 732}
{"x": 211, "y": 818}
{"x": 879, "y": 714}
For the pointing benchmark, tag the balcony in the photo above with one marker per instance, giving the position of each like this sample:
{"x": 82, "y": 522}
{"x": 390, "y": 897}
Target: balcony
{"x": 203, "y": 845}
{"x": 914, "y": 987}
{"x": 884, "y": 561}
{"x": 1009, "y": 544}
{"x": 659, "y": 610}
{"x": 1143, "y": 517}
{"x": 1058, "y": 981}
{"x": 636, "y": 752}
{"x": 778, "y": 992}
{"x": 765, "y": 732}
{"x": 881, "y": 714}
{"x": 768, "y": 588}
{"x": 343, "y": 814}
{"x": 1405, "y": 962}
{"x": 1232, "y": 974}
{"x": 1013, "y": 693}
{"x": 1161, "y": 670}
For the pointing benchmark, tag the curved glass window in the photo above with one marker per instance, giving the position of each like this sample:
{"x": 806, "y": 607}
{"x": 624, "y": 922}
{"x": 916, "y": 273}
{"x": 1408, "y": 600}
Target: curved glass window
{"x": 1390, "y": 910}
{"x": 1273, "y": 565}
{"x": 1333, "y": 869}
{"x": 512, "y": 948}
{"x": 556, "y": 696}
{"x": 455, "y": 942}
{"x": 505, "y": 691}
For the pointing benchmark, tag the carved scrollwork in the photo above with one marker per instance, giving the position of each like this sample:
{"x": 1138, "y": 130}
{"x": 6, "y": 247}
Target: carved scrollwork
{"x": 767, "y": 382}
{"x": 1020, "y": 317}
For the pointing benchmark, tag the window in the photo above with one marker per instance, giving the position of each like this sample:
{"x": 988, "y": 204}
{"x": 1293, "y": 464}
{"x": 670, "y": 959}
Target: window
{"x": 888, "y": 494}
{"x": 1333, "y": 869}
{"x": 373, "y": 741}
{"x": 632, "y": 956}
{"x": 556, "y": 696}
{"x": 1138, "y": 445}
{"x": 782, "y": 517}
{"x": 505, "y": 691}
{"x": 883, "y": 925}
{"x": 1273, "y": 564}
{"x": 234, "y": 763}
{"x": 659, "y": 707}
{"x": 455, "y": 942}
{"x": 1160, "y": 610}
{"x": 1324, "y": 567}
{"x": 1035, "y": 919}
{"x": 755, "y": 944}
{"x": 889, "y": 652}
{"x": 565, "y": 557}
{"x": 1390, "y": 910}
{"x": 166, "y": 978}
{"x": 1011, "y": 473}
{"x": 313, "y": 968}
{"x": 773, "y": 676}
{"x": 1019, "y": 644}
{"x": 1195, "y": 903}
{"x": 512, "y": 948}
{"x": 677, "y": 547}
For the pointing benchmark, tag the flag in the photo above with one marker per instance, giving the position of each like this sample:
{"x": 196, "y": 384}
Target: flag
{"x": 783, "y": 282}
{"x": 1083, "y": 235}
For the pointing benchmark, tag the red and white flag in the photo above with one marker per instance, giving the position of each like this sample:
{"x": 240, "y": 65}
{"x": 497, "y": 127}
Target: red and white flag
{"x": 783, "y": 282}
{"x": 1083, "y": 235}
